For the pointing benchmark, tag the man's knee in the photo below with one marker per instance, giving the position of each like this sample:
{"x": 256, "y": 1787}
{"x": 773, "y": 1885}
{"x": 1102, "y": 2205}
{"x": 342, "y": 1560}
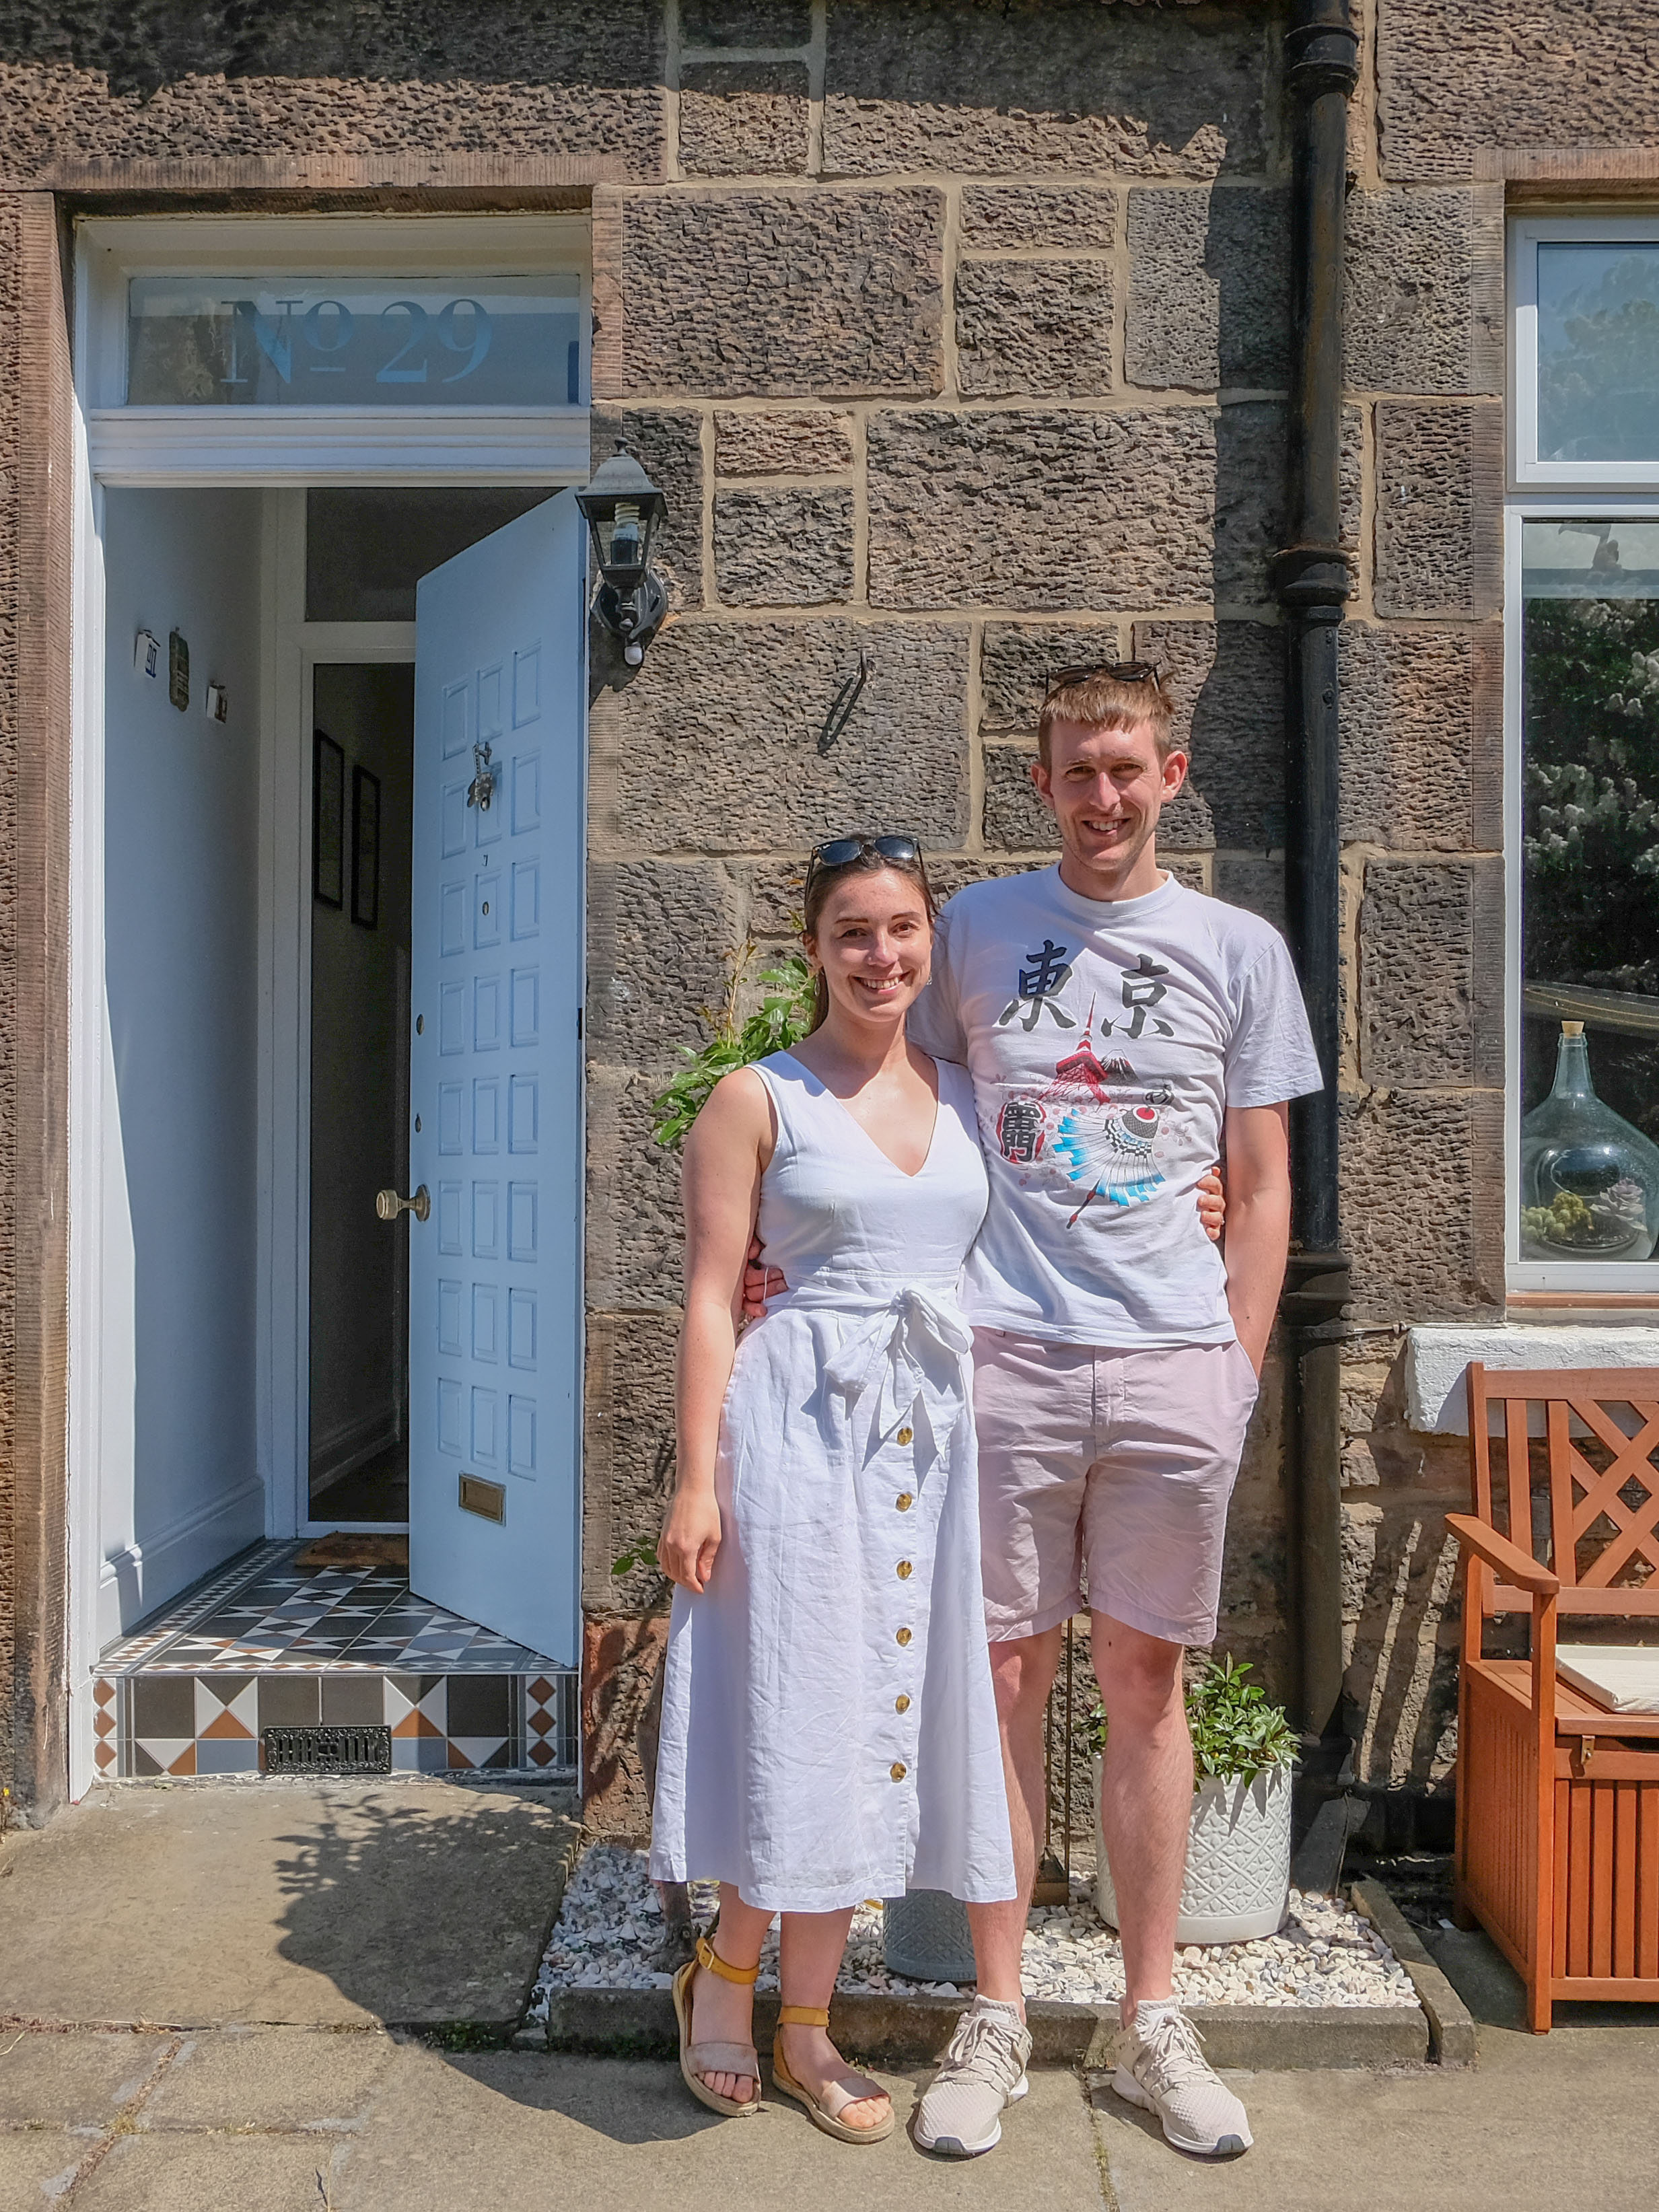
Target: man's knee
{"x": 1139, "y": 1676}
{"x": 1023, "y": 1672}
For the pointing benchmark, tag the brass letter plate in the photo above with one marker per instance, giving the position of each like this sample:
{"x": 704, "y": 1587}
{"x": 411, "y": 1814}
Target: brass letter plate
{"x": 488, "y": 1499}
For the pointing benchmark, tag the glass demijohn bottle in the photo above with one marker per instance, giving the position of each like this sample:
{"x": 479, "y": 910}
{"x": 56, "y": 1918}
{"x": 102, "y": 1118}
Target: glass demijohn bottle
{"x": 1589, "y": 1182}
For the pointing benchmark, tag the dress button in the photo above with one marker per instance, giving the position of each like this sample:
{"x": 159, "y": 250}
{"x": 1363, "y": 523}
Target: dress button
{"x": 903, "y": 1636}
{"x": 905, "y": 1435}
{"x": 904, "y": 1571}
{"x": 901, "y": 1704}
{"x": 904, "y": 1501}
{"x": 898, "y": 1770}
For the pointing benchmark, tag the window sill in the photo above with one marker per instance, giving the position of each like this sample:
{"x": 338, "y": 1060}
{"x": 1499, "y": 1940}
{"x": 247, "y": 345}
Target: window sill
{"x": 1437, "y": 1355}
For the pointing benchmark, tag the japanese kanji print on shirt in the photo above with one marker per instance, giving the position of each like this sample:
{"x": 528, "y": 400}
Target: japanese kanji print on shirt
{"x": 1106, "y": 1040}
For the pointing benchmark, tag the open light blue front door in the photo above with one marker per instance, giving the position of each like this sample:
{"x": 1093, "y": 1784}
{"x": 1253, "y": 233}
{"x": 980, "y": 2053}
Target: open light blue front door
{"x": 496, "y": 1082}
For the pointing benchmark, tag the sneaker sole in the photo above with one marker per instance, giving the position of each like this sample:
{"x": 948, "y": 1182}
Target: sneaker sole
{"x": 953, "y": 2146}
{"x": 1125, "y": 2085}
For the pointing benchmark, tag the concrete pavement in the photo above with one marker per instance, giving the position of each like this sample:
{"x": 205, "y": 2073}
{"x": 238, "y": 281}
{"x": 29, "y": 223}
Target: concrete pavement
{"x": 198, "y": 1983}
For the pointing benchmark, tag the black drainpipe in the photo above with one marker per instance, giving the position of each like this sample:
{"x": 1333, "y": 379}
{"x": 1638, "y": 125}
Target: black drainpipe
{"x": 1311, "y": 575}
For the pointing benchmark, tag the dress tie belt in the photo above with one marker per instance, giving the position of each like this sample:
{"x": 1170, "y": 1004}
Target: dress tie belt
{"x": 910, "y": 1349}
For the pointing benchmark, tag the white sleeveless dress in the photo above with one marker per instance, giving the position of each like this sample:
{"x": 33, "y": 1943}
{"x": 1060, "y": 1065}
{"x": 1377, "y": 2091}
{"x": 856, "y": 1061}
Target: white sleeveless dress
{"x": 829, "y": 1730}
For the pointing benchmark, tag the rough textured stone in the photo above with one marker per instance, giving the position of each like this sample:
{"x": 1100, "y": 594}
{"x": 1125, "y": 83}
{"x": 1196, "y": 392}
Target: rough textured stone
{"x": 154, "y": 80}
{"x": 1423, "y": 1203}
{"x": 1431, "y": 968}
{"x": 783, "y": 549}
{"x": 1580, "y": 73}
{"x": 1209, "y": 289}
{"x": 1439, "y": 480}
{"x": 722, "y": 724}
{"x": 1016, "y": 217}
{"x": 745, "y": 22}
{"x": 965, "y": 508}
{"x": 1422, "y": 737}
{"x": 1033, "y": 326}
{"x": 629, "y": 1469}
{"x": 659, "y": 931}
{"x": 667, "y": 442}
{"x": 1249, "y": 521}
{"x": 1228, "y": 683}
{"x": 621, "y": 1655}
{"x": 744, "y": 119}
{"x": 1018, "y": 662}
{"x": 1255, "y": 880}
{"x": 769, "y": 293}
{"x": 1015, "y": 818}
{"x": 783, "y": 442}
{"x": 634, "y": 1235}
{"x": 1424, "y": 298}
{"x": 984, "y": 87}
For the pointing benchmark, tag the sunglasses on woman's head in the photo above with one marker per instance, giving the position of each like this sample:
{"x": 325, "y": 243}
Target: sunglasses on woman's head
{"x": 841, "y": 852}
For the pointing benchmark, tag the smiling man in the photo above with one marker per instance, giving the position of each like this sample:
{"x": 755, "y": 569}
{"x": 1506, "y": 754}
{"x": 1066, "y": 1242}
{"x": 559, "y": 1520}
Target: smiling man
{"x": 1120, "y": 1029}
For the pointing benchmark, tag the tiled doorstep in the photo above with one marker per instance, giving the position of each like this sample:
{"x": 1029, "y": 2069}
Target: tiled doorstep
{"x": 213, "y": 1723}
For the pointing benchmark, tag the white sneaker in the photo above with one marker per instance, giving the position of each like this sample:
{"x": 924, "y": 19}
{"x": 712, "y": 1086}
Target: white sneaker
{"x": 983, "y": 2070}
{"x": 1162, "y": 2068}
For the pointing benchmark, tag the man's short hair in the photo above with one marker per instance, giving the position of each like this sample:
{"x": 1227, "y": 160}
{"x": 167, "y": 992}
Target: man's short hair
{"x": 1101, "y": 700}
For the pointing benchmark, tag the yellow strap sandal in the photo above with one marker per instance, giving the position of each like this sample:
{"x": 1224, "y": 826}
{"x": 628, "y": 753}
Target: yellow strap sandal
{"x": 699, "y": 2058}
{"x": 848, "y": 2088}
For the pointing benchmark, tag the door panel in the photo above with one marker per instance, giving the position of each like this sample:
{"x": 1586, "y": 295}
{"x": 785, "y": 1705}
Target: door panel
{"x": 496, "y": 1080}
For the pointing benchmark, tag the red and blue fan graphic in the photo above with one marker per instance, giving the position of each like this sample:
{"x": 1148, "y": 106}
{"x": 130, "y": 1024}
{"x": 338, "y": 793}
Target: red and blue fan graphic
{"x": 1102, "y": 1143}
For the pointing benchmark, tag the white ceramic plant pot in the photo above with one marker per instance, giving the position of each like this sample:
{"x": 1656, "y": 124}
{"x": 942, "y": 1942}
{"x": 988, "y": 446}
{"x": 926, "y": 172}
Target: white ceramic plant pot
{"x": 1237, "y": 1883}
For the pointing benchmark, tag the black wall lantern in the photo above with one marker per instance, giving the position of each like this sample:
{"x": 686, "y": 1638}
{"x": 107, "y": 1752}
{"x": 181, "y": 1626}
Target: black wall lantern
{"x": 624, "y": 508}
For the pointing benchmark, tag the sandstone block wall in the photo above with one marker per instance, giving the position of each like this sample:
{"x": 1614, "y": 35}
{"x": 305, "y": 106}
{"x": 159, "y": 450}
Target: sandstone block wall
{"x": 955, "y": 331}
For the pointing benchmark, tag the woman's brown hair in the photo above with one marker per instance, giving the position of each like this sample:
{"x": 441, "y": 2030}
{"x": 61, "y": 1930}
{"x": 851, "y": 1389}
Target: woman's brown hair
{"x": 821, "y": 881}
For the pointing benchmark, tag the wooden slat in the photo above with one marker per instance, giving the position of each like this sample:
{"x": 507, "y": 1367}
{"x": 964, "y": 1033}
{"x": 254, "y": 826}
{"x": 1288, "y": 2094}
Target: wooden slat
{"x": 1559, "y": 1920}
{"x": 1626, "y": 1603}
{"x": 1611, "y": 1763}
{"x": 1592, "y": 1989}
{"x": 1517, "y": 1467}
{"x": 1647, "y": 1885}
{"x": 1601, "y": 1798}
{"x": 1624, "y": 1879}
{"x": 1563, "y": 1557}
{"x": 1579, "y": 1878}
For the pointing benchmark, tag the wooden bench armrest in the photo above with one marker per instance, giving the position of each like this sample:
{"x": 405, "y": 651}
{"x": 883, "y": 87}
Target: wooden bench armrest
{"x": 1514, "y": 1564}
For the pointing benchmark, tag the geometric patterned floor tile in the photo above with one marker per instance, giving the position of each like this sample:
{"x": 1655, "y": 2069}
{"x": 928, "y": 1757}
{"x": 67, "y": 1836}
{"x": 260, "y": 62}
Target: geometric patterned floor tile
{"x": 266, "y": 1643}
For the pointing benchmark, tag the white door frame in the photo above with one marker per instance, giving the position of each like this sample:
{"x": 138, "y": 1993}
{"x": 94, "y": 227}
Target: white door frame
{"x": 424, "y": 453}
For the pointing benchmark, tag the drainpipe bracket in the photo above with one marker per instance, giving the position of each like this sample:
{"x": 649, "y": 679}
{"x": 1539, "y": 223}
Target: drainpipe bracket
{"x": 1315, "y": 1289}
{"x": 1313, "y": 575}
{"x": 1321, "y": 51}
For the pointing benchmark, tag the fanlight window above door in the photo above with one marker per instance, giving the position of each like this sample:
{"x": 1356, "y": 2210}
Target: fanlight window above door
{"x": 335, "y": 350}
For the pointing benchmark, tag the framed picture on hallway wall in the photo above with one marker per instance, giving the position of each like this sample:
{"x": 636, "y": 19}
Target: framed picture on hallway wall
{"x": 327, "y": 821}
{"x": 365, "y": 848}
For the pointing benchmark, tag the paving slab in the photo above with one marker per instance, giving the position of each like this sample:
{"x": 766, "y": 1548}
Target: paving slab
{"x": 34, "y": 2167}
{"x": 73, "y": 2081}
{"x": 1567, "y": 2121}
{"x": 274, "y": 2077}
{"x": 312, "y": 1903}
{"x": 213, "y": 2173}
{"x": 593, "y": 2135}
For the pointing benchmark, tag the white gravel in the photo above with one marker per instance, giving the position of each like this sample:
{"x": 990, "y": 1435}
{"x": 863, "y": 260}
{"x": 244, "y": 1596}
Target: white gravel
{"x": 610, "y": 1928}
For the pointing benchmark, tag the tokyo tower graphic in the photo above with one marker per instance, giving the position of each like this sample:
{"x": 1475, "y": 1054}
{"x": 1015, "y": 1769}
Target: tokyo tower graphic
{"x": 1094, "y": 1139}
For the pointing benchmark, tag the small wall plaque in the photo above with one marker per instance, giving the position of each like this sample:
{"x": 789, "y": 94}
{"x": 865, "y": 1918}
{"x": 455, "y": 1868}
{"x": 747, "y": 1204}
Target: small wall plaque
{"x": 177, "y": 670}
{"x": 147, "y": 654}
{"x": 487, "y": 1499}
{"x": 216, "y": 702}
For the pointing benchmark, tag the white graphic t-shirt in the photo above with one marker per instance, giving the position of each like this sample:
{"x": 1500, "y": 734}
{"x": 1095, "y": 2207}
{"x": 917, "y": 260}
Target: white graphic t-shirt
{"x": 1106, "y": 1039}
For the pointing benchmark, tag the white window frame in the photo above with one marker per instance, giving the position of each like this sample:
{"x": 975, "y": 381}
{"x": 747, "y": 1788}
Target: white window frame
{"x": 188, "y": 446}
{"x": 1612, "y": 491}
{"x": 1526, "y": 235}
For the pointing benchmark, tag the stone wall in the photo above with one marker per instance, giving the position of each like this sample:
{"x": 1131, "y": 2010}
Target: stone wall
{"x": 957, "y": 332}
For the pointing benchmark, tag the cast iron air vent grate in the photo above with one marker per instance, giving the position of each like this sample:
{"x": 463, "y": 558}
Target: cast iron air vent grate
{"x": 328, "y": 1750}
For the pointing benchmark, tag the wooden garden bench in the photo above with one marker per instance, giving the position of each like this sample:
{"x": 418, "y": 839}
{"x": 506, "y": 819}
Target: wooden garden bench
{"x": 1558, "y": 1787}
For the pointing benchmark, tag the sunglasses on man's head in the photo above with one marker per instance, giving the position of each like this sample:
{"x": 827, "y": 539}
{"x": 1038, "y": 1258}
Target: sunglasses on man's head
{"x": 1119, "y": 671}
{"x": 841, "y": 852}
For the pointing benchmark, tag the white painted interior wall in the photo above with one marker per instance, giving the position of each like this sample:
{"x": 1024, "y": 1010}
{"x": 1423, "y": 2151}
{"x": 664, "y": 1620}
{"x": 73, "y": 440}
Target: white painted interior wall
{"x": 178, "y": 1483}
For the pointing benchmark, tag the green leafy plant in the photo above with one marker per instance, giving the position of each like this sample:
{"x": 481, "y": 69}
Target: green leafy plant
{"x": 638, "y": 1555}
{"x": 1237, "y": 1735}
{"x": 783, "y": 1015}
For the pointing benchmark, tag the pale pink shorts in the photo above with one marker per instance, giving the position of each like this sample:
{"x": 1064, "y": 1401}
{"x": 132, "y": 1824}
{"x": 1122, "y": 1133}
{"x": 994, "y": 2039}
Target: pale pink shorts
{"x": 1118, "y": 1464}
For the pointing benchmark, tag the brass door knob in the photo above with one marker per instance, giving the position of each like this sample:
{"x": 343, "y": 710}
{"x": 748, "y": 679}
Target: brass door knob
{"x": 389, "y": 1206}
